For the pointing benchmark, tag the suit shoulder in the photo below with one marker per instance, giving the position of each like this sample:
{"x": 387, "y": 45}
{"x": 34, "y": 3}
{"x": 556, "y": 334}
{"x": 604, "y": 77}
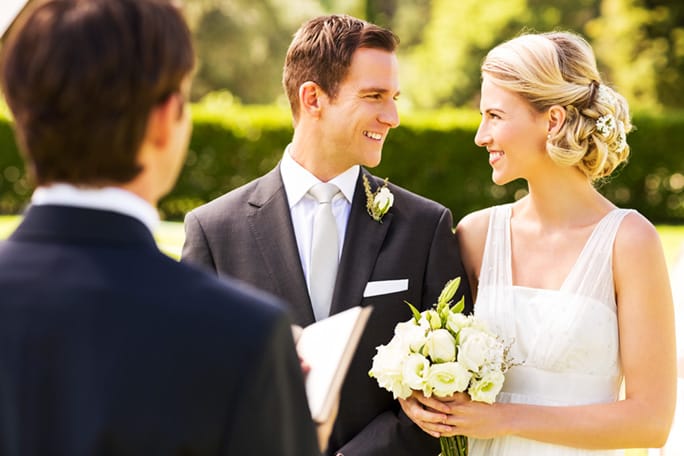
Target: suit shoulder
{"x": 227, "y": 200}
{"x": 416, "y": 201}
{"x": 235, "y": 202}
{"x": 226, "y": 297}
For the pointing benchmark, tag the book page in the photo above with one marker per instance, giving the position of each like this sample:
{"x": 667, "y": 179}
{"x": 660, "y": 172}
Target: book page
{"x": 327, "y": 346}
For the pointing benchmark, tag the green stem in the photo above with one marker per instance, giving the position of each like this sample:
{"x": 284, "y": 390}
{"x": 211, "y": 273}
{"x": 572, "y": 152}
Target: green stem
{"x": 454, "y": 446}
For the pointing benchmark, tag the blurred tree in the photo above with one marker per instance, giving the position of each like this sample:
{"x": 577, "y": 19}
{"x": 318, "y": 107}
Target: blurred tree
{"x": 668, "y": 25}
{"x": 631, "y": 61}
{"x": 641, "y": 43}
{"x": 443, "y": 69}
{"x": 242, "y": 44}
{"x": 381, "y": 12}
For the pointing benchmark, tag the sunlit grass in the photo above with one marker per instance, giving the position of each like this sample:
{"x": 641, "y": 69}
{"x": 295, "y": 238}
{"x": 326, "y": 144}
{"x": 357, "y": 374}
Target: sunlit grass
{"x": 170, "y": 236}
{"x": 638, "y": 452}
{"x": 673, "y": 241}
{"x": 7, "y": 224}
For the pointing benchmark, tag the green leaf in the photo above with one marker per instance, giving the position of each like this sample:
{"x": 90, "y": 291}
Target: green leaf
{"x": 449, "y": 290}
{"x": 459, "y": 306}
{"x": 416, "y": 313}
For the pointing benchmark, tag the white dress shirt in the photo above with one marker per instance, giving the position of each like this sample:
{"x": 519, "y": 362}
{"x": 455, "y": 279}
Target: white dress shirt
{"x": 107, "y": 198}
{"x": 297, "y": 181}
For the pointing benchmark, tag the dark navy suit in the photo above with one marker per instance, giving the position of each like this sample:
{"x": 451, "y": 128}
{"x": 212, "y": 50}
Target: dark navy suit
{"x": 109, "y": 347}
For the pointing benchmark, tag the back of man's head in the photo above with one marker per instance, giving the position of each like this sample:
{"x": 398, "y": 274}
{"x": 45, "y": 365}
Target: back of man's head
{"x": 81, "y": 78}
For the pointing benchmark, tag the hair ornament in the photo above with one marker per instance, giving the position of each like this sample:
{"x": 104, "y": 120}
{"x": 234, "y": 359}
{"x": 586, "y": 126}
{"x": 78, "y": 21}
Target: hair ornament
{"x": 606, "y": 96}
{"x": 607, "y": 126}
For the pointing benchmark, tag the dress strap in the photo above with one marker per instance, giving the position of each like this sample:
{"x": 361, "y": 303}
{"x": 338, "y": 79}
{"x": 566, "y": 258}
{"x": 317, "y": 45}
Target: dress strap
{"x": 592, "y": 274}
{"x": 496, "y": 262}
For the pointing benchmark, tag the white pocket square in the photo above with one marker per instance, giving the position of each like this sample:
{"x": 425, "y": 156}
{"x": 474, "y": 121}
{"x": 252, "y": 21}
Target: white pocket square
{"x": 382, "y": 287}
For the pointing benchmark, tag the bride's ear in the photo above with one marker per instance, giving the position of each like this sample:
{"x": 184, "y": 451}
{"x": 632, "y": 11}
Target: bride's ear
{"x": 556, "y": 118}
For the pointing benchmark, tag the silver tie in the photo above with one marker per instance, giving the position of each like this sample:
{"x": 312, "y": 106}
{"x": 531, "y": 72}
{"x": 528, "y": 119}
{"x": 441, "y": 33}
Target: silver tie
{"x": 323, "y": 270}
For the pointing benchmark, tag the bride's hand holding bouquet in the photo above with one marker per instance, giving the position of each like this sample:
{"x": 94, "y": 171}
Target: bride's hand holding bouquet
{"x": 442, "y": 352}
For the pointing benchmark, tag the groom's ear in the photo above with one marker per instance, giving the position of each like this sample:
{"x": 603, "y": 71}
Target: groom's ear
{"x": 310, "y": 98}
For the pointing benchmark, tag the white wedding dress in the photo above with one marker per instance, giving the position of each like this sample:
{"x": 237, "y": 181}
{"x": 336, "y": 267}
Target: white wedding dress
{"x": 566, "y": 340}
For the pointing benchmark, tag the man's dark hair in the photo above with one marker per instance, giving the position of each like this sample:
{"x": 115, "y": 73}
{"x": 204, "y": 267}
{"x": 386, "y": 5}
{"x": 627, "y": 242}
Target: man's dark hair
{"x": 81, "y": 78}
{"x": 322, "y": 51}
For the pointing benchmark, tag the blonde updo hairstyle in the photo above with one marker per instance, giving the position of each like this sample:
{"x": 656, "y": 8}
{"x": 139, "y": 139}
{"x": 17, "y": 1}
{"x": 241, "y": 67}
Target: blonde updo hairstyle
{"x": 559, "y": 68}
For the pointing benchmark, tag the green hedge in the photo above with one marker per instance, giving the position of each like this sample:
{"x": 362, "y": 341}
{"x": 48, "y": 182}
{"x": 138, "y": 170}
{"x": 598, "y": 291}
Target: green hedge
{"x": 430, "y": 153}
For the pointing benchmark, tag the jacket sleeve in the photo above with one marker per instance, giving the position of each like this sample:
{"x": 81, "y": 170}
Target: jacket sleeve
{"x": 390, "y": 433}
{"x": 271, "y": 416}
{"x": 443, "y": 264}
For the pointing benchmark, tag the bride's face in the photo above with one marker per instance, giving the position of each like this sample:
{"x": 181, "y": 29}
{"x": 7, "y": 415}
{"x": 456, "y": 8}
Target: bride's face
{"x": 513, "y": 132}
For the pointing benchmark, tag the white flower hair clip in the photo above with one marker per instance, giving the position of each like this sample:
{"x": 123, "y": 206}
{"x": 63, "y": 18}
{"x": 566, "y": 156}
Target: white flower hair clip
{"x": 606, "y": 126}
{"x": 378, "y": 202}
{"x": 606, "y": 96}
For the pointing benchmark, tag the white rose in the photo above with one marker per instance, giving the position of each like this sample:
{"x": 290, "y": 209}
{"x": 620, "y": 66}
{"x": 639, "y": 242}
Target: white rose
{"x": 477, "y": 348}
{"x": 383, "y": 200}
{"x": 457, "y": 321}
{"x": 414, "y": 371}
{"x": 447, "y": 378}
{"x": 387, "y": 369}
{"x": 487, "y": 387}
{"x": 441, "y": 346}
{"x": 411, "y": 334}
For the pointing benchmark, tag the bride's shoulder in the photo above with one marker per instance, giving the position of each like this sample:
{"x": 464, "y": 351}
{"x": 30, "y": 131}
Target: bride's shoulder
{"x": 635, "y": 229}
{"x": 637, "y": 245}
{"x": 471, "y": 231}
{"x": 475, "y": 222}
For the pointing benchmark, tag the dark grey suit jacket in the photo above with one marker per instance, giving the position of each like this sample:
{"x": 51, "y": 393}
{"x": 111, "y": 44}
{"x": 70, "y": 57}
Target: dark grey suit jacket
{"x": 248, "y": 234}
{"x": 109, "y": 347}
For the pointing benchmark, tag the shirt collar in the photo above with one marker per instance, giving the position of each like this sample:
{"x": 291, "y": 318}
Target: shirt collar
{"x": 107, "y": 198}
{"x": 298, "y": 180}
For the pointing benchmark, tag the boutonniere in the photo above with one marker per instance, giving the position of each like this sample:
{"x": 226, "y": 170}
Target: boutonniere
{"x": 378, "y": 202}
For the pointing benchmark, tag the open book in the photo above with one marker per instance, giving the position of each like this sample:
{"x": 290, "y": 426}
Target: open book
{"x": 328, "y": 346}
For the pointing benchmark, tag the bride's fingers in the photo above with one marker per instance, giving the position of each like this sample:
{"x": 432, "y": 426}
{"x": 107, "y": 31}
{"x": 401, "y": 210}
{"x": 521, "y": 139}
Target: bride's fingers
{"x": 428, "y": 420}
{"x": 440, "y": 404}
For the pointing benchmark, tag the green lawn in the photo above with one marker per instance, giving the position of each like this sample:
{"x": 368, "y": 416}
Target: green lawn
{"x": 170, "y": 237}
{"x": 673, "y": 241}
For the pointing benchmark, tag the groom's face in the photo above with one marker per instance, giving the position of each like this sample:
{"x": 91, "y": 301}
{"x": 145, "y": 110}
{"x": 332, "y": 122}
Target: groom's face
{"x": 356, "y": 122}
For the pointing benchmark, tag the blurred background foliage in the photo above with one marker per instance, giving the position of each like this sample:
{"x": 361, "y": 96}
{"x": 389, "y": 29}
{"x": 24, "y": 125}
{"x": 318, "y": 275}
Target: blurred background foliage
{"x": 242, "y": 122}
{"x": 639, "y": 43}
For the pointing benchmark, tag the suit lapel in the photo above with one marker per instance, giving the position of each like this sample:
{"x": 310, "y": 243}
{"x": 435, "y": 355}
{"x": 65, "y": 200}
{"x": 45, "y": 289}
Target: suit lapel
{"x": 362, "y": 244}
{"x": 270, "y": 221}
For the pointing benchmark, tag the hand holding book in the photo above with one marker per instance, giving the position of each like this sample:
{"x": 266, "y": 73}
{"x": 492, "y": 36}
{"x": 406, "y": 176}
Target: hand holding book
{"x": 327, "y": 347}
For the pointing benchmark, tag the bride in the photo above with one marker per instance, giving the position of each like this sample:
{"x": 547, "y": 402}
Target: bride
{"x": 580, "y": 286}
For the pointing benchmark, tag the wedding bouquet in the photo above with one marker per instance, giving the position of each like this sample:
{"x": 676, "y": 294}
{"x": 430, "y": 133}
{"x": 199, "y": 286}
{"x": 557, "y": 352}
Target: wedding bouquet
{"x": 440, "y": 351}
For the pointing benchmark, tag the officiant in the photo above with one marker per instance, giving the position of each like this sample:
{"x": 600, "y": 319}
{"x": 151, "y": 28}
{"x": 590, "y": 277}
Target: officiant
{"x": 108, "y": 346}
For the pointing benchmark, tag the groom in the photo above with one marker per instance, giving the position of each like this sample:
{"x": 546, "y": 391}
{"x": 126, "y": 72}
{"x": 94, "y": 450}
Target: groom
{"x": 340, "y": 76}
